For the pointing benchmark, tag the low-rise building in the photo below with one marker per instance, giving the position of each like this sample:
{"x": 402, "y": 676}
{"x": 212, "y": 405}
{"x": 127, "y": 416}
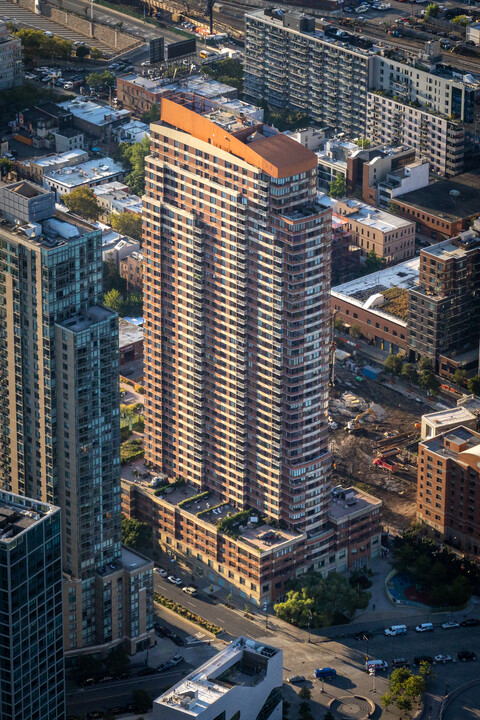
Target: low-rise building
{"x": 437, "y": 423}
{"x": 357, "y": 520}
{"x": 389, "y": 236}
{"x": 448, "y": 488}
{"x": 310, "y": 137}
{"x": 36, "y": 168}
{"x": 131, "y": 131}
{"x": 131, "y": 269}
{"x": 378, "y": 305}
{"x": 95, "y": 119}
{"x": 87, "y": 174}
{"x": 444, "y": 208}
{"x": 116, "y": 246}
{"x": 11, "y": 59}
{"x": 408, "y": 178}
{"x": 130, "y": 341}
{"x": 244, "y": 680}
{"x": 115, "y": 197}
{"x": 139, "y": 93}
{"x": 69, "y": 139}
{"x": 333, "y": 162}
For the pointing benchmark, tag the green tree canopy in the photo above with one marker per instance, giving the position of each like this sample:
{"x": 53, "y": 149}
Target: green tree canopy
{"x": 404, "y": 688}
{"x": 432, "y": 10}
{"x": 338, "y": 187}
{"x": 127, "y": 223}
{"x": 82, "y": 51}
{"x": 228, "y": 71}
{"x": 409, "y": 372}
{"x": 141, "y": 700}
{"x": 151, "y": 115}
{"x": 137, "y": 535}
{"x": 426, "y": 375}
{"x": 474, "y": 385}
{"x": 460, "y": 377}
{"x": 374, "y": 262}
{"x": 113, "y": 300}
{"x": 96, "y": 80}
{"x": 394, "y": 364}
{"x": 5, "y": 166}
{"x": 82, "y": 201}
{"x": 132, "y": 156}
{"x": 461, "y": 20}
{"x": 36, "y": 43}
{"x": 320, "y": 601}
{"x": 112, "y": 278}
{"x": 96, "y": 53}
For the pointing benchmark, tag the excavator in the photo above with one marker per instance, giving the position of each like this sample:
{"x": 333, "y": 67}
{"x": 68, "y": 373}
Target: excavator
{"x": 353, "y": 425}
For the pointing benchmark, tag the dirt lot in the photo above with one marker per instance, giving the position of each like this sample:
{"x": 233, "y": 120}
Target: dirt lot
{"x": 354, "y": 452}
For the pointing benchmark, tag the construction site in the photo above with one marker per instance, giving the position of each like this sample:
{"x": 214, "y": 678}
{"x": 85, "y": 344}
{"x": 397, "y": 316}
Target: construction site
{"x": 374, "y": 433}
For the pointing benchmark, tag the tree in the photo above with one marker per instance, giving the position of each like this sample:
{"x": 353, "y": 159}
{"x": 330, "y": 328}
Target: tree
{"x": 82, "y": 51}
{"x": 394, "y": 364}
{"x": 426, "y": 375}
{"x": 355, "y": 332}
{"x": 473, "y": 385}
{"x": 338, "y": 187}
{"x": 127, "y": 223}
{"x": 305, "y": 693}
{"x": 132, "y": 156}
{"x": 460, "y": 377}
{"x": 113, "y": 300}
{"x": 409, "y": 372}
{"x": 5, "y": 166}
{"x": 96, "y": 53}
{"x": 461, "y": 20}
{"x": 404, "y": 688}
{"x": 374, "y": 262}
{"x": 432, "y": 10}
{"x": 141, "y": 700}
{"x": 339, "y": 325}
{"x": 117, "y": 661}
{"x": 112, "y": 278}
{"x": 82, "y": 201}
{"x": 151, "y": 115}
{"x": 363, "y": 143}
{"x": 96, "y": 80}
{"x": 137, "y": 535}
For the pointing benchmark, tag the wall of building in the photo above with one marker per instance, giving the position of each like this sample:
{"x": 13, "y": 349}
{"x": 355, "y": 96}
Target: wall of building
{"x": 384, "y": 332}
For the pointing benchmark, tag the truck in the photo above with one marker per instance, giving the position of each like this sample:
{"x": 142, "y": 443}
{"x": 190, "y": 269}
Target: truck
{"x": 386, "y": 464}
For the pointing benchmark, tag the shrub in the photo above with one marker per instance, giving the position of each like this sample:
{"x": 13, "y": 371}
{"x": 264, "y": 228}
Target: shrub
{"x": 183, "y": 612}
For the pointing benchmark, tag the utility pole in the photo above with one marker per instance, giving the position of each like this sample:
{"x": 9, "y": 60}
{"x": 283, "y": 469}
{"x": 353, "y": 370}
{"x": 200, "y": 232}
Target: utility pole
{"x": 265, "y": 610}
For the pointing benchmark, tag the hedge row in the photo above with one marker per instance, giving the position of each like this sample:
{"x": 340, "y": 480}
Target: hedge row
{"x": 187, "y": 614}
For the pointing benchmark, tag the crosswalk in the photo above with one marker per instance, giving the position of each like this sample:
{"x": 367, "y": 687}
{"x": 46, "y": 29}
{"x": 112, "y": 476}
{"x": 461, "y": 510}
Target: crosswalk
{"x": 24, "y": 18}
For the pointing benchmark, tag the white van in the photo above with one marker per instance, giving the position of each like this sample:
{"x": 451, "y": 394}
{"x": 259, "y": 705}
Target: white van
{"x": 424, "y": 627}
{"x": 396, "y": 630}
{"x": 376, "y": 664}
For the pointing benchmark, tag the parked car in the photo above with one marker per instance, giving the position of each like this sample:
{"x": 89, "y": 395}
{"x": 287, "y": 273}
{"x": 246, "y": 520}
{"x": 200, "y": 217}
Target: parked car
{"x": 442, "y": 658}
{"x": 400, "y": 662}
{"x": 190, "y": 590}
{"x": 106, "y": 678}
{"x": 396, "y": 630}
{"x": 450, "y": 625}
{"x": 464, "y": 655}
{"x": 116, "y": 710}
{"x": 376, "y": 664}
{"x": 470, "y": 622}
{"x": 147, "y": 671}
{"x": 174, "y": 580}
{"x": 325, "y": 673}
{"x": 168, "y": 665}
{"x": 162, "y": 572}
{"x": 422, "y": 658}
{"x": 294, "y": 679}
{"x": 89, "y": 681}
{"x": 177, "y": 640}
{"x": 94, "y": 715}
{"x": 177, "y": 659}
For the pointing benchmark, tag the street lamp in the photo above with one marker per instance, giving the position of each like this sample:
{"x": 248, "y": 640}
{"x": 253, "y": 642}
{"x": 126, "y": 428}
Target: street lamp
{"x": 265, "y": 610}
{"x": 309, "y": 621}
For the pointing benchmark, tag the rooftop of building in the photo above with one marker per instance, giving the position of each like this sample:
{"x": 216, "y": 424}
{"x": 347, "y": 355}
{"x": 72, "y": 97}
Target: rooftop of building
{"x": 116, "y": 186}
{"x": 247, "y": 138}
{"x": 82, "y": 174}
{"x": 18, "y": 514}
{"x": 242, "y": 663}
{"x": 371, "y": 216}
{"x": 350, "y": 501}
{"x": 457, "y": 415}
{"x": 457, "y": 247}
{"x": 129, "y": 560}
{"x": 61, "y": 228}
{"x": 353, "y": 43}
{"x": 250, "y": 528}
{"x": 199, "y": 84}
{"x": 70, "y": 156}
{"x": 93, "y": 112}
{"x": 84, "y": 320}
{"x": 453, "y": 199}
{"x": 403, "y": 275}
{"x": 461, "y": 436}
{"x": 128, "y": 333}
{"x": 68, "y": 132}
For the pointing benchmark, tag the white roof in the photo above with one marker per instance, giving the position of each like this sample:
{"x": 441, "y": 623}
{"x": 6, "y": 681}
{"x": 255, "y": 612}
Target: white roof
{"x": 52, "y": 160}
{"x": 403, "y": 275}
{"x": 87, "y": 172}
{"x": 93, "y": 112}
{"x": 199, "y": 84}
{"x": 373, "y": 217}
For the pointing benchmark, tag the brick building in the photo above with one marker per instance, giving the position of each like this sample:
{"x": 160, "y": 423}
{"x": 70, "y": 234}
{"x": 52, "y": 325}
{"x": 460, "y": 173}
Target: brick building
{"x": 390, "y": 236}
{"x": 444, "y": 208}
{"x": 345, "y": 255}
{"x": 444, "y": 308}
{"x": 356, "y": 519}
{"x": 131, "y": 270}
{"x": 448, "y": 488}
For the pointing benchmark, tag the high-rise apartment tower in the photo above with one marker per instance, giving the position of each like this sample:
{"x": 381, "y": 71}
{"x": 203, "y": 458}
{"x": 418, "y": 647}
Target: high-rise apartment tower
{"x": 60, "y": 415}
{"x": 236, "y": 281}
{"x": 31, "y": 634}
